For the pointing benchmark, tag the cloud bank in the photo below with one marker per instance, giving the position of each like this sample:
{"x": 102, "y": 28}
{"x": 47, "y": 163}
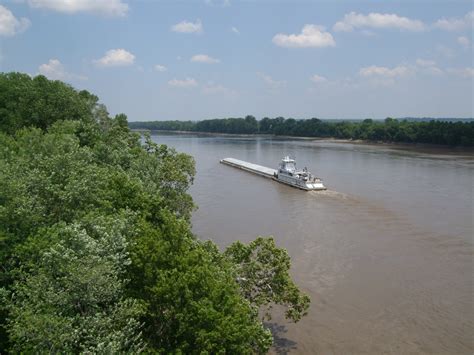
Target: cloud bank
{"x": 188, "y": 27}
{"x": 310, "y": 36}
{"x": 184, "y": 83}
{"x": 115, "y": 58}
{"x": 55, "y": 70}
{"x": 204, "y": 58}
{"x": 353, "y": 21}
{"x": 10, "y": 25}
{"x": 456, "y": 24}
{"x": 99, "y": 7}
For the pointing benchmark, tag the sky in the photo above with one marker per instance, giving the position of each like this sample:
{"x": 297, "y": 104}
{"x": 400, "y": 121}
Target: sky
{"x": 201, "y": 59}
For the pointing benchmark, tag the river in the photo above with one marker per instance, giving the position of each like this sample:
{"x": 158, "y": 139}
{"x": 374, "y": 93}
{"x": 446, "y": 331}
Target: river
{"x": 386, "y": 253}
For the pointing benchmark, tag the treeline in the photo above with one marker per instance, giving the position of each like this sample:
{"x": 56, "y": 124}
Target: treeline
{"x": 459, "y": 133}
{"x": 247, "y": 125}
{"x": 96, "y": 249}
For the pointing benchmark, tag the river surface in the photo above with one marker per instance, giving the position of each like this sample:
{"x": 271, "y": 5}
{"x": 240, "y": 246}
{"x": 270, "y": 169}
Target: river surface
{"x": 386, "y": 254}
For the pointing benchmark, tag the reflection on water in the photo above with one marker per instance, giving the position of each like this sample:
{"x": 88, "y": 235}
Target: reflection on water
{"x": 385, "y": 253}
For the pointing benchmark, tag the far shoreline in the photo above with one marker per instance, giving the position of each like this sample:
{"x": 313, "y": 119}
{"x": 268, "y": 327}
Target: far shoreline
{"x": 426, "y": 147}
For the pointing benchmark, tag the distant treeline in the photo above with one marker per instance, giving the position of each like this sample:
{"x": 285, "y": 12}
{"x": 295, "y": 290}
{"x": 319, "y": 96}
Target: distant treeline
{"x": 453, "y": 133}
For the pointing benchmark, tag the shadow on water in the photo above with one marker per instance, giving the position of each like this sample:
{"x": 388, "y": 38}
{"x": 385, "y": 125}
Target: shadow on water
{"x": 281, "y": 344}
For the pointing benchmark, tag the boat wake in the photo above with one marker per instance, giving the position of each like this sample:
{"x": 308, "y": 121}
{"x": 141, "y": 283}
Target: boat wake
{"x": 333, "y": 194}
{"x": 357, "y": 205}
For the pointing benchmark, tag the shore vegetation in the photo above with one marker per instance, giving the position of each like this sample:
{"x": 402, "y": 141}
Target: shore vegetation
{"x": 441, "y": 132}
{"x": 96, "y": 249}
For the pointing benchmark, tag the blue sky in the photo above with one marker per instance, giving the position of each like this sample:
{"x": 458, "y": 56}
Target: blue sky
{"x": 160, "y": 60}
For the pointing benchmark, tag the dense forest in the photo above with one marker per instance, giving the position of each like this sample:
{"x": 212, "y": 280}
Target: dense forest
{"x": 459, "y": 133}
{"x": 96, "y": 249}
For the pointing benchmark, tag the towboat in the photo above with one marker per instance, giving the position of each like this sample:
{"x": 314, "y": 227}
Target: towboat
{"x": 286, "y": 173}
{"x": 302, "y": 179}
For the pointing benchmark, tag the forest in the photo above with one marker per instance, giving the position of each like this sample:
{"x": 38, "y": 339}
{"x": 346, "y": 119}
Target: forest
{"x": 442, "y": 132}
{"x": 96, "y": 249}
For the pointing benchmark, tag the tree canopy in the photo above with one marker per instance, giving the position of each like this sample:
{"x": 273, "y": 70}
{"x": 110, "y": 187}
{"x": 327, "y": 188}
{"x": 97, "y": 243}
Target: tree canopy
{"x": 443, "y": 132}
{"x": 96, "y": 249}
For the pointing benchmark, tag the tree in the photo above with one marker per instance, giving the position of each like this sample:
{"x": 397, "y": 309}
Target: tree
{"x": 96, "y": 248}
{"x": 72, "y": 299}
{"x": 192, "y": 299}
{"x": 389, "y": 130}
{"x": 262, "y": 270}
{"x": 39, "y": 102}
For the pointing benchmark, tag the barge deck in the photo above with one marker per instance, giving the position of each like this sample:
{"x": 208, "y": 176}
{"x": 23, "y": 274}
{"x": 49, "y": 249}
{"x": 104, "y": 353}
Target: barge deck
{"x": 287, "y": 173}
{"x": 252, "y": 168}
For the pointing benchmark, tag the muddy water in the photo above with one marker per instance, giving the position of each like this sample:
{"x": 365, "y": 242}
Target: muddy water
{"x": 386, "y": 254}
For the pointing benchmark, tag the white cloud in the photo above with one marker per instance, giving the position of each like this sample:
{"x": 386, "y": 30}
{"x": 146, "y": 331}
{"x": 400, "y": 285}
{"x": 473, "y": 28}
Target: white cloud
{"x": 160, "y": 68}
{"x": 100, "y": 7}
{"x": 188, "y": 27}
{"x": 318, "y": 79}
{"x": 354, "y": 20}
{"x": 379, "y": 75}
{"x": 55, "y": 70}
{"x": 467, "y": 72}
{"x": 375, "y": 71}
{"x": 310, "y": 36}
{"x": 115, "y": 58}
{"x": 428, "y": 67}
{"x": 235, "y": 30}
{"x": 456, "y": 24}
{"x": 464, "y": 41}
{"x": 271, "y": 83}
{"x": 185, "y": 83}
{"x": 204, "y": 58}
{"x": 10, "y": 25}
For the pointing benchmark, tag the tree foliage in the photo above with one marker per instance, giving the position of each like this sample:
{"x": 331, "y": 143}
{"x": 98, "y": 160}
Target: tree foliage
{"x": 72, "y": 299}
{"x": 443, "y": 132}
{"x": 39, "y": 102}
{"x": 262, "y": 271}
{"x": 96, "y": 249}
{"x": 192, "y": 300}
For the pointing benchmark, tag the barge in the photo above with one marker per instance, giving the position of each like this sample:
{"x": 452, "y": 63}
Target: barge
{"x": 286, "y": 173}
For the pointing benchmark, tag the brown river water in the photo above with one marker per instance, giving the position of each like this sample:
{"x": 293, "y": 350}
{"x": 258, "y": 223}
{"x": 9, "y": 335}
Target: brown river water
{"x": 386, "y": 253}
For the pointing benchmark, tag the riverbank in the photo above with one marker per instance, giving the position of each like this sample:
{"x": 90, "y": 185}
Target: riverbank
{"x": 419, "y": 147}
{"x": 442, "y": 132}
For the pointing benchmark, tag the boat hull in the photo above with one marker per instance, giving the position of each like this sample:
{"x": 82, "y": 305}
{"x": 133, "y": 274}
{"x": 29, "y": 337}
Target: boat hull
{"x": 303, "y": 185}
{"x": 313, "y": 184}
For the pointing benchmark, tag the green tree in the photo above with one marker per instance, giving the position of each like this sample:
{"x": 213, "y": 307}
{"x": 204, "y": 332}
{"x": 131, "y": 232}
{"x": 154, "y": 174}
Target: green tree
{"x": 389, "y": 130}
{"x": 192, "y": 300}
{"x": 96, "y": 249}
{"x": 39, "y": 102}
{"x": 72, "y": 298}
{"x": 262, "y": 270}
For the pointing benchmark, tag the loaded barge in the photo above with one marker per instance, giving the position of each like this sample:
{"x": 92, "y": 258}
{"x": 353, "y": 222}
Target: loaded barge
{"x": 286, "y": 173}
